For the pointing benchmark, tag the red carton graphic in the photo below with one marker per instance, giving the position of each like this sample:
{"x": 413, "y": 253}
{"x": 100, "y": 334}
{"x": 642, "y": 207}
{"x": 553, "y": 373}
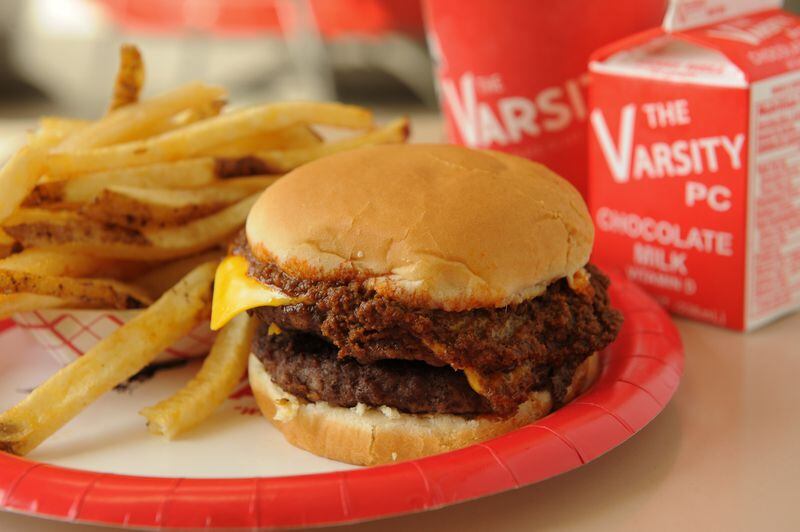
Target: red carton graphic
{"x": 512, "y": 73}
{"x": 694, "y": 157}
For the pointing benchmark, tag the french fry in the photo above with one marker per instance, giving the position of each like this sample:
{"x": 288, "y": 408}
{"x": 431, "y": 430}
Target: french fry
{"x": 22, "y": 302}
{"x": 124, "y": 209}
{"x": 22, "y": 171}
{"x": 189, "y": 116}
{"x": 189, "y": 173}
{"x": 46, "y": 261}
{"x": 296, "y": 136}
{"x": 205, "y": 232}
{"x": 196, "y": 138}
{"x": 199, "y": 112}
{"x": 161, "y": 278}
{"x": 7, "y": 244}
{"x": 61, "y": 127}
{"x": 97, "y": 293}
{"x": 31, "y": 215}
{"x": 45, "y": 228}
{"x": 49, "y": 262}
{"x": 69, "y": 232}
{"x": 279, "y": 161}
{"x": 112, "y": 360}
{"x": 221, "y": 372}
{"x": 178, "y": 174}
{"x": 139, "y": 120}
{"x": 252, "y": 184}
{"x": 72, "y": 232}
{"x": 130, "y": 77}
{"x": 46, "y": 272}
{"x": 140, "y": 208}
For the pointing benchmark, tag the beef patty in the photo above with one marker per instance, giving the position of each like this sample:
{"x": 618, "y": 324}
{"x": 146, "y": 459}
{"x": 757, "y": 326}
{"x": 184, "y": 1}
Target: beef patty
{"x": 509, "y": 351}
{"x": 307, "y": 366}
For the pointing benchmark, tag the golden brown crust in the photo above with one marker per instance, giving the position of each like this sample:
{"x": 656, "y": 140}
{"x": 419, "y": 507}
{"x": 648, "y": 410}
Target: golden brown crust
{"x": 432, "y": 225}
{"x": 371, "y": 436}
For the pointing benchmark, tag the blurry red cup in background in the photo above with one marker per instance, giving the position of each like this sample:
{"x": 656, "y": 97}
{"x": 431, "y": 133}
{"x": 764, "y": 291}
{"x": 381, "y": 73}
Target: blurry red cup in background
{"x": 512, "y": 74}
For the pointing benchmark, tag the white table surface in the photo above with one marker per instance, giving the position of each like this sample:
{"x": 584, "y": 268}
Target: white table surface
{"x": 723, "y": 455}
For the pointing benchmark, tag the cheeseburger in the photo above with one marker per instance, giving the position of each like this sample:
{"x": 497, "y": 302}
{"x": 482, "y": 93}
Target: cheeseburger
{"x": 415, "y": 299}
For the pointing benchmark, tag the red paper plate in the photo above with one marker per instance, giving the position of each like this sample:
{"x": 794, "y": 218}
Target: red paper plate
{"x": 641, "y": 371}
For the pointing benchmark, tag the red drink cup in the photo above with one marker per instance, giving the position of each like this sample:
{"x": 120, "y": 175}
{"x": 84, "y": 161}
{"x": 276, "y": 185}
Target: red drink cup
{"x": 512, "y": 73}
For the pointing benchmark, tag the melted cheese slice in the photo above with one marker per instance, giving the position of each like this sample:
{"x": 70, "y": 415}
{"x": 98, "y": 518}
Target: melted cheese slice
{"x": 474, "y": 380}
{"x": 235, "y": 292}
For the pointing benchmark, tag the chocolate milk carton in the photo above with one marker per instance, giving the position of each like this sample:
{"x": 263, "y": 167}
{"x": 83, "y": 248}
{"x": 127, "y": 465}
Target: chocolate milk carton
{"x": 694, "y": 156}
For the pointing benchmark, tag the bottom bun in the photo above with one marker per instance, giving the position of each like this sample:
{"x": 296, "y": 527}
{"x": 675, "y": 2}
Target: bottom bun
{"x": 365, "y": 435}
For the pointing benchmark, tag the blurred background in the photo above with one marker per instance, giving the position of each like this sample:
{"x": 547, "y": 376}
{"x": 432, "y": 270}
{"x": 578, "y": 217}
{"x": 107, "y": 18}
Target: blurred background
{"x": 60, "y": 56}
{"x": 64, "y": 52}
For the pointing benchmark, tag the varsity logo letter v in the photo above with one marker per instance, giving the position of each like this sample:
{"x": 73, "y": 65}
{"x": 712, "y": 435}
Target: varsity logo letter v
{"x": 618, "y": 157}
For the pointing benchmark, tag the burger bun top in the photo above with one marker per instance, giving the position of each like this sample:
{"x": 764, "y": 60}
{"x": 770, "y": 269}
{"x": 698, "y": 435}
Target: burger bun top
{"x": 435, "y": 226}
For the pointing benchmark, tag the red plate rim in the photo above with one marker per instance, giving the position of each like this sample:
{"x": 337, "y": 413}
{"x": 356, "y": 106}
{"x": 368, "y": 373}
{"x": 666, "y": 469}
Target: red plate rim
{"x": 641, "y": 372}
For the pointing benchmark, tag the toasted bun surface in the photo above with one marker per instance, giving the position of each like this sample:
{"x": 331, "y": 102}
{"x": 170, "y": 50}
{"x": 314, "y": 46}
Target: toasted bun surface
{"x": 371, "y": 436}
{"x": 433, "y": 225}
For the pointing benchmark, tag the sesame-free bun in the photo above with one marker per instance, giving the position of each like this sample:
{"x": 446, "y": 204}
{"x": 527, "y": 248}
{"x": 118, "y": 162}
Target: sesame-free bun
{"x": 370, "y": 436}
{"x": 432, "y": 225}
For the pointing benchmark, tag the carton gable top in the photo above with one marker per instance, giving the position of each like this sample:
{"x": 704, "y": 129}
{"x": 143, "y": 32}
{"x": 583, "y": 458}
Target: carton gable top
{"x": 687, "y": 14}
{"x": 729, "y": 52}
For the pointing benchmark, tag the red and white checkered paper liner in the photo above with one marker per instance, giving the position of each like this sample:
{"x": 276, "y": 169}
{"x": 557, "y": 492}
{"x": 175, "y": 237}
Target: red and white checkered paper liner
{"x": 640, "y": 373}
{"x": 67, "y": 333}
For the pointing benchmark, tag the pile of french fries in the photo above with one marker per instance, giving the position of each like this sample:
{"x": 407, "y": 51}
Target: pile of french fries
{"x": 133, "y": 211}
